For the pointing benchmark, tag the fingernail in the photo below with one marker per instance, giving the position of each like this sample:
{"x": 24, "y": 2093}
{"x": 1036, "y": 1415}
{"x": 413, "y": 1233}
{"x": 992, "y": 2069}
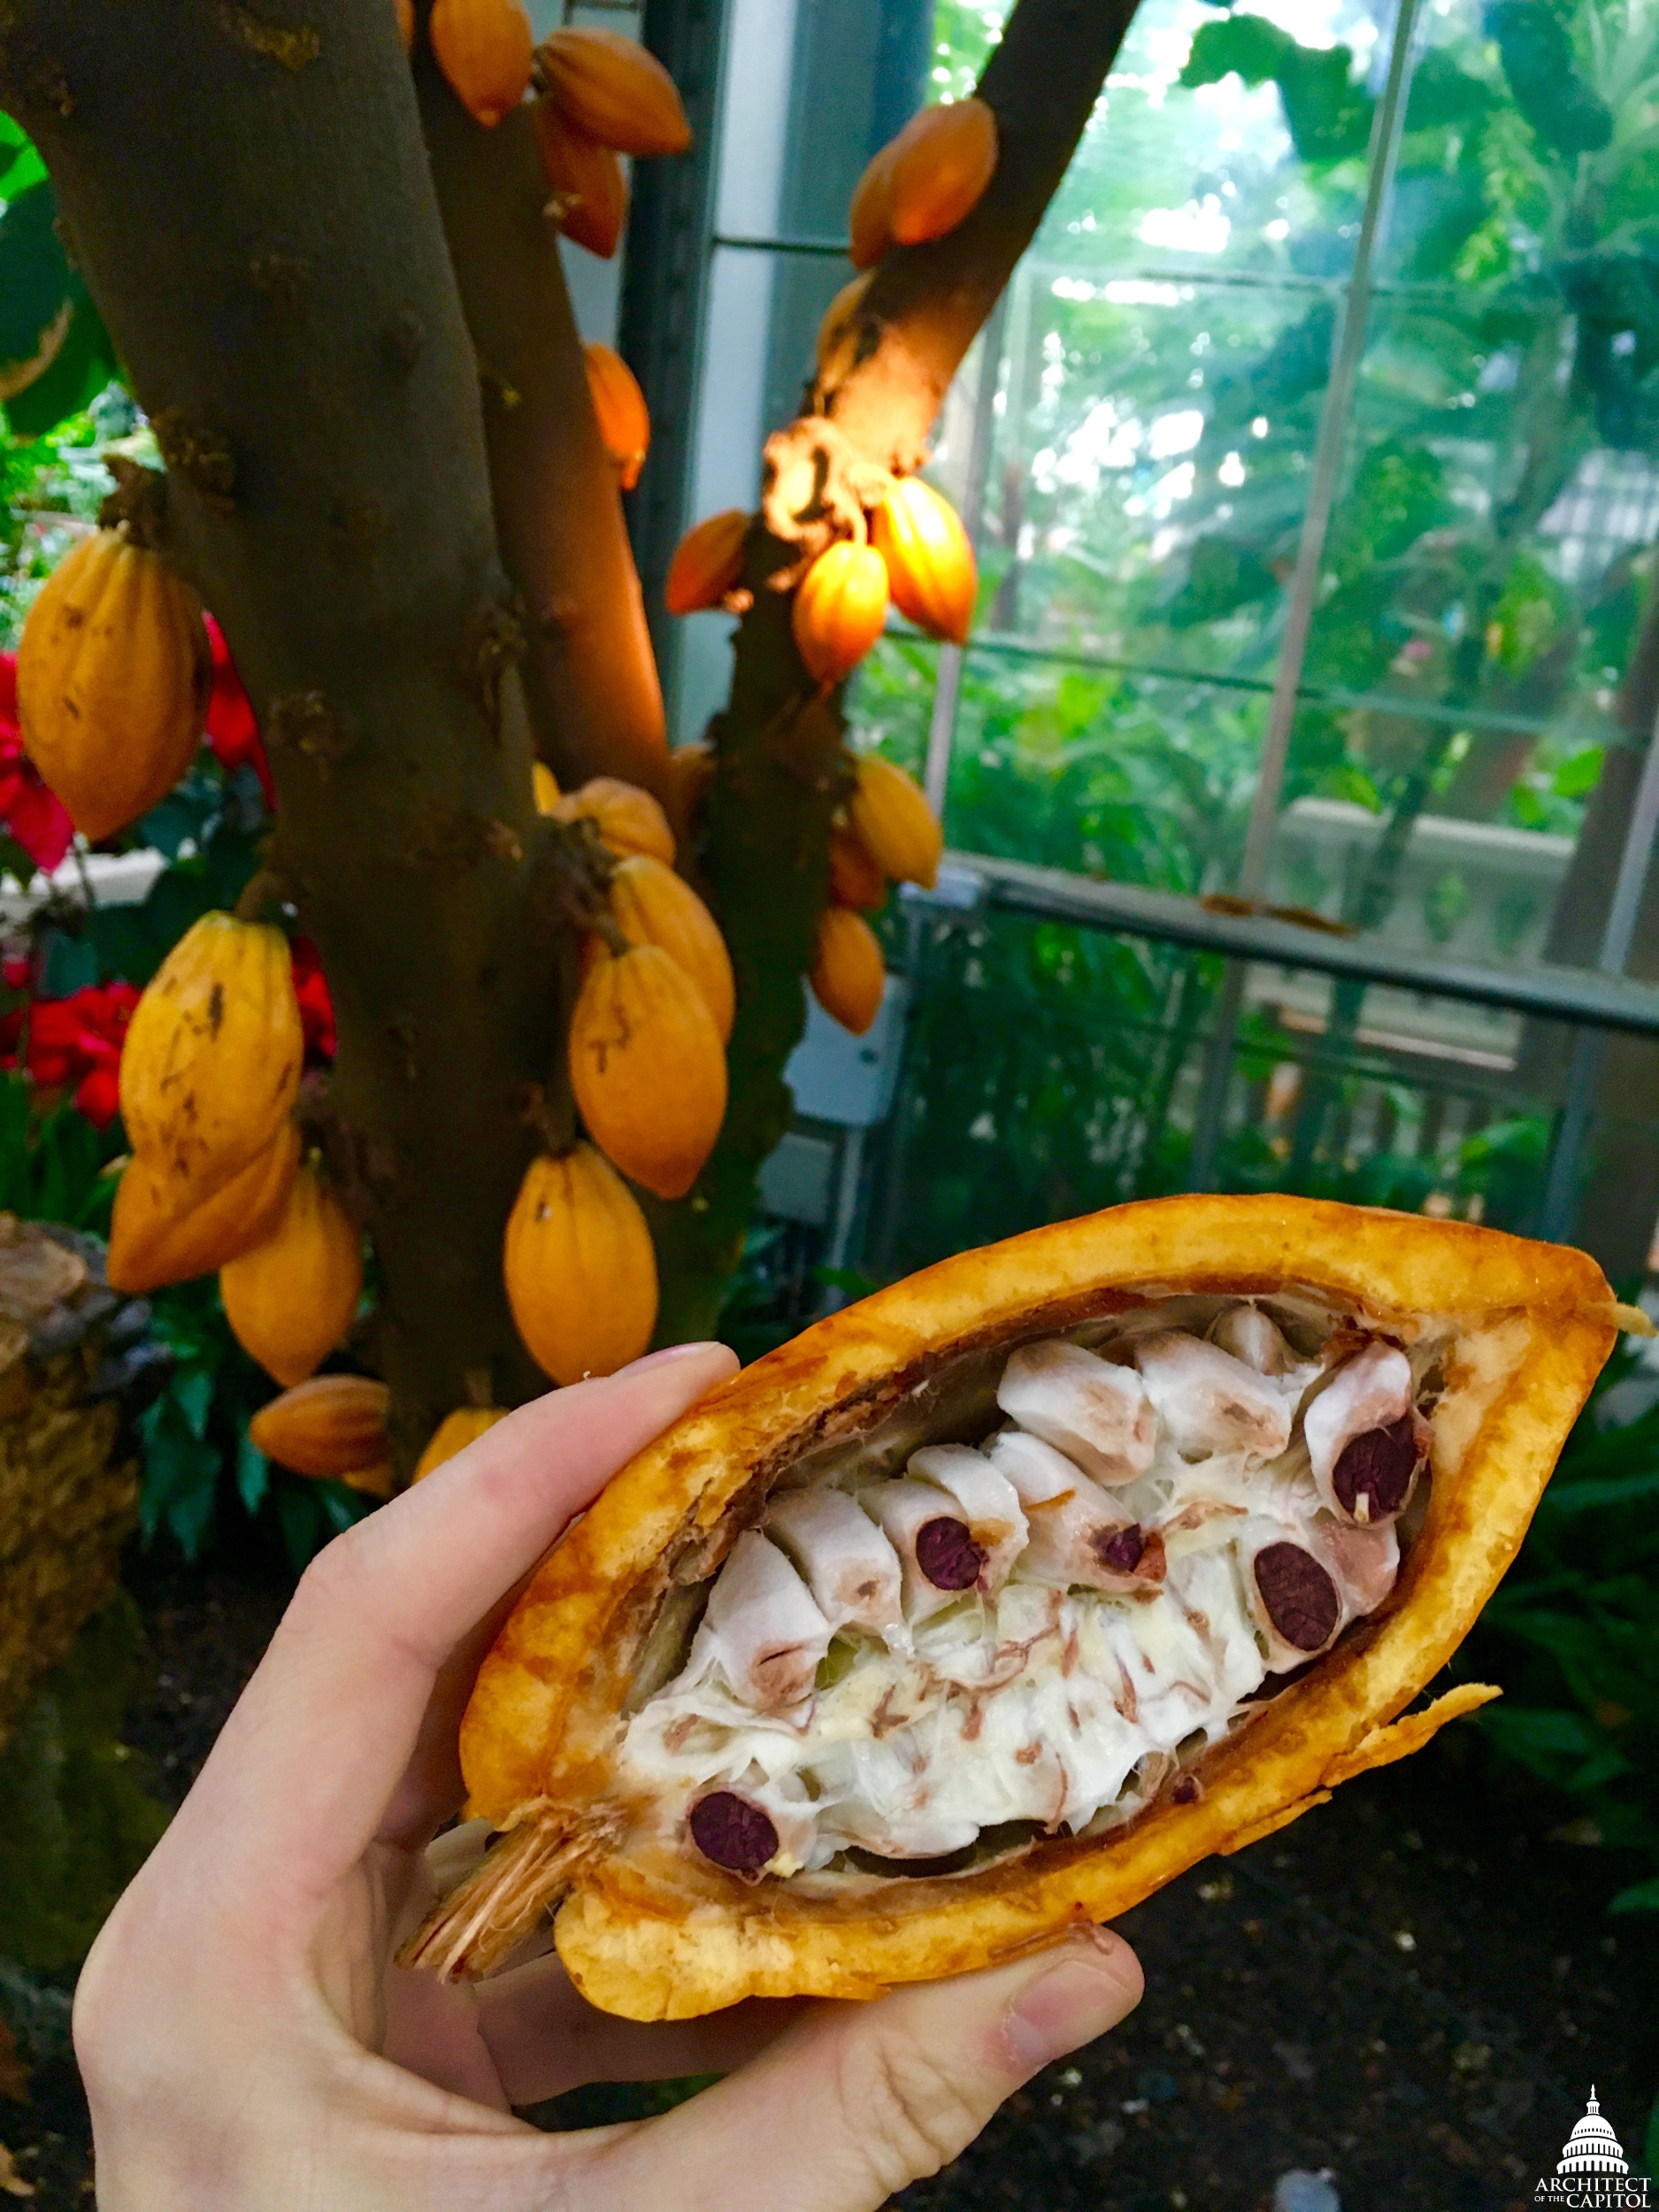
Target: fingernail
{"x": 1082, "y": 1994}
{"x": 670, "y": 1353}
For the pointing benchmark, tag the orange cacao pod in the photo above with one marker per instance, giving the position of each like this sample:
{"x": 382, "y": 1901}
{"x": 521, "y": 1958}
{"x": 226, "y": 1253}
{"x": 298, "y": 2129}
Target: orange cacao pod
{"x": 894, "y": 821}
{"x": 930, "y": 568}
{"x": 545, "y": 784}
{"x": 406, "y": 23}
{"x": 112, "y": 674}
{"x": 374, "y": 1482}
{"x": 867, "y": 217}
{"x": 291, "y": 1298}
{"x": 624, "y": 421}
{"x": 211, "y": 1065}
{"x": 942, "y": 161}
{"x": 855, "y": 877}
{"x": 454, "y": 1433}
{"x": 848, "y": 970}
{"x": 654, "y": 906}
{"x": 579, "y": 1266}
{"x": 586, "y": 181}
{"x": 706, "y": 563}
{"x": 615, "y": 90}
{"x": 485, "y": 48}
{"x": 648, "y": 1069}
{"x": 628, "y": 819}
{"x": 150, "y": 1245}
{"x": 334, "y": 1424}
{"x": 839, "y": 610}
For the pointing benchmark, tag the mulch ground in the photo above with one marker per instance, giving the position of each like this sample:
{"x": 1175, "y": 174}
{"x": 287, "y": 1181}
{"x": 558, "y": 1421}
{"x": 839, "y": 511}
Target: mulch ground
{"x": 1414, "y": 1988}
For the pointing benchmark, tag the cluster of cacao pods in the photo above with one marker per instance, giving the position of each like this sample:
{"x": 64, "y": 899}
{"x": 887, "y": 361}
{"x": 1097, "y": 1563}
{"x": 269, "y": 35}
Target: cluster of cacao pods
{"x": 113, "y": 676}
{"x": 647, "y": 1059}
{"x": 600, "y": 95}
{"x": 210, "y": 1074}
{"x": 922, "y": 183}
{"x": 886, "y": 833}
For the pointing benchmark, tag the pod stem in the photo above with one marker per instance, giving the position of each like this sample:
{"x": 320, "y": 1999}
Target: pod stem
{"x": 476, "y": 1929}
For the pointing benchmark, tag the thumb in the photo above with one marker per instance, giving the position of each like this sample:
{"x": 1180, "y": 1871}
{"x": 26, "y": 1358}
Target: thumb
{"x": 859, "y": 2100}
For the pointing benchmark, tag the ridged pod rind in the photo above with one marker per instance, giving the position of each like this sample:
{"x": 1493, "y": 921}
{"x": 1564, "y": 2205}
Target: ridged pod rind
{"x": 614, "y": 89}
{"x": 150, "y": 1244}
{"x": 291, "y": 1298}
{"x": 940, "y": 163}
{"x": 856, "y": 874}
{"x": 930, "y": 568}
{"x": 706, "y": 563}
{"x": 839, "y": 608}
{"x": 651, "y": 905}
{"x": 113, "y": 673}
{"x": 585, "y": 178}
{"x": 332, "y": 1425}
{"x": 849, "y": 975}
{"x": 212, "y": 1061}
{"x": 648, "y": 1069}
{"x": 545, "y": 786}
{"x": 624, "y": 421}
{"x": 894, "y": 821}
{"x": 579, "y": 1267}
{"x": 485, "y": 49}
{"x": 628, "y": 820}
{"x": 454, "y": 1433}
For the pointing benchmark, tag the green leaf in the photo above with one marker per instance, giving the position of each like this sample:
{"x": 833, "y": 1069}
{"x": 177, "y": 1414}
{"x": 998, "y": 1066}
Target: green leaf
{"x": 36, "y": 281}
{"x": 1329, "y": 116}
{"x": 85, "y": 365}
{"x": 253, "y": 1473}
{"x": 1642, "y": 1897}
{"x": 20, "y": 165}
{"x": 1538, "y": 60}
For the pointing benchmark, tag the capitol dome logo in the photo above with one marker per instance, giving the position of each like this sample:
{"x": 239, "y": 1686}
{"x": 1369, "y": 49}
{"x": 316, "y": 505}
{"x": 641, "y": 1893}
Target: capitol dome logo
{"x": 1592, "y": 2173}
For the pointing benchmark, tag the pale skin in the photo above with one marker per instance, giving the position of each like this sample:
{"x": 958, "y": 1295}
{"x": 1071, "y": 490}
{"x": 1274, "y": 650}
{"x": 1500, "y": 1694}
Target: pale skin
{"x": 246, "y": 2042}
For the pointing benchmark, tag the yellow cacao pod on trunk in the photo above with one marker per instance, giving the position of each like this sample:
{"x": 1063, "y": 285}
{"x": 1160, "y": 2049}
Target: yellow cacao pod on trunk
{"x": 624, "y": 421}
{"x": 150, "y": 1245}
{"x": 648, "y": 1068}
{"x": 545, "y": 784}
{"x": 455, "y": 1432}
{"x": 113, "y": 673}
{"x": 579, "y": 1267}
{"x": 855, "y": 877}
{"x": 585, "y": 178}
{"x": 211, "y": 1066}
{"x": 848, "y": 970}
{"x": 654, "y": 906}
{"x": 628, "y": 820}
{"x": 291, "y": 1298}
{"x": 941, "y": 162}
{"x": 616, "y": 91}
{"x": 839, "y": 608}
{"x": 930, "y": 569}
{"x": 485, "y": 48}
{"x": 708, "y": 563}
{"x": 894, "y": 821}
{"x": 334, "y": 1424}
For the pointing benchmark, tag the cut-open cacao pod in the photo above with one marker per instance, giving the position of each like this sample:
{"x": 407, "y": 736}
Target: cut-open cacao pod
{"x": 1002, "y": 1597}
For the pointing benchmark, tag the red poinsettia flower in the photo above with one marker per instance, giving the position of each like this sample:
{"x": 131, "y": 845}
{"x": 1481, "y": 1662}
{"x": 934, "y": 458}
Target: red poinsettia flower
{"x": 76, "y": 1042}
{"x": 36, "y": 817}
{"x": 317, "y": 1007}
{"x": 232, "y": 730}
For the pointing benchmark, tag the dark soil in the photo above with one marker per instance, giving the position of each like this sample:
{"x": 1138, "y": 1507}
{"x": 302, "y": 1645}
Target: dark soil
{"x": 1414, "y": 1988}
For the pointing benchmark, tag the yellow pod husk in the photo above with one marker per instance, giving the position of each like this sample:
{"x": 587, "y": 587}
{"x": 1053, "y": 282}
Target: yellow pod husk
{"x": 211, "y": 1062}
{"x": 653, "y": 906}
{"x": 624, "y": 421}
{"x": 586, "y": 181}
{"x": 895, "y": 822}
{"x": 150, "y": 1245}
{"x": 544, "y": 783}
{"x": 113, "y": 672}
{"x": 629, "y": 820}
{"x": 708, "y": 563}
{"x": 940, "y": 163}
{"x": 579, "y": 1267}
{"x": 648, "y": 1069}
{"x": 485, "y": 49}
{"x": 454, "y": 1433}
{"x": 374, "y": 1482}
{"x": 291, "y": 1298}
{"x": 855, "y": 877}
{"x": 332, "y": 1425}
{"x": 930, "y": 568}
{"x": 614, "y": 89}
{"x": 840, "y": 609}
{"x": 867, "y": 217}
{"x": 849, "y": 975}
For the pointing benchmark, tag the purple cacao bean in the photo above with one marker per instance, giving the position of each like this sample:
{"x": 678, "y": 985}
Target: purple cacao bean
{"x": 1300, "y": 1597}
{"x": 1377, "y": 1465}
{"x": 1122, "y": 1551}
{"x": 1185, "y": 1791}
{"x": 948, "y": 1555}
{"x": 731, "y": 1832}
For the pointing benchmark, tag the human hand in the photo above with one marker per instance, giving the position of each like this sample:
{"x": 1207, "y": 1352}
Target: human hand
{"x": 248, "y": 2044}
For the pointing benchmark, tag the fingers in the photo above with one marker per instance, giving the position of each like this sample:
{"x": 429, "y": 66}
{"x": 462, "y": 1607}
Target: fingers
{"x": 858, "y": 2101}
{"x": 299, "y": 1781}
{"x": 546, "y": 2039}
